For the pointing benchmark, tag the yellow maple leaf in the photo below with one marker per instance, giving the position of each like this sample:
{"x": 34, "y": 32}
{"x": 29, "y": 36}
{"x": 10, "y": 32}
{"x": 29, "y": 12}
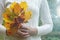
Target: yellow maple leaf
{"x": 7, "y": 25}
{"x": 27, "y": 15}
{"x": 12, "y": 5}
{"x": 6, "y": 20}
{"x": 23, "y": 5}
{"x": 6, "y": 16}
{"x": 17, "y": 9}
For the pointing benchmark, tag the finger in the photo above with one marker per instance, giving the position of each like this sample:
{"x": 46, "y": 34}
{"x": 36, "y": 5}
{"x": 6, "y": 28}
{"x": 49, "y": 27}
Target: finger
{"x": 23, "y": 30}
{"x": 17, "y": 35}
{"x": 24, "y": 27}
{"x": 26, "y": 36}
{"x": 22, "y": 33}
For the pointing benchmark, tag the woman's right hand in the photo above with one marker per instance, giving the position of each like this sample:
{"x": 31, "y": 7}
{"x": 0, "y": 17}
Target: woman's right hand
{"x": 22, "y": 33}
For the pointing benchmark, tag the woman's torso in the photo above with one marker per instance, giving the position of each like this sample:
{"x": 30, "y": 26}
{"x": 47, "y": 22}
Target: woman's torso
{"x": 32, "y": 22}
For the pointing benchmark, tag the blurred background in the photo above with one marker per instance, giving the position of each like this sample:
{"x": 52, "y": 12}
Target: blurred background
{"x": 55, "y": 12}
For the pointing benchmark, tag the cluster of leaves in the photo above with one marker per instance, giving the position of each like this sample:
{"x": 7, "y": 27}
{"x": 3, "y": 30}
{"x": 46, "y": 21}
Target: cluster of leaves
{"x": 14, "y": 15}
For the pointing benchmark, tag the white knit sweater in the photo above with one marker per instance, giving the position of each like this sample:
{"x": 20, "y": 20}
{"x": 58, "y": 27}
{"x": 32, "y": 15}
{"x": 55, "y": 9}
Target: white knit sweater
{"x": 38, "y": 8}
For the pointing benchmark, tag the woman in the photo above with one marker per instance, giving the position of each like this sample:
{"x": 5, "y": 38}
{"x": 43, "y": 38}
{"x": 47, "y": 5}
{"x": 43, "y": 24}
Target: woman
{"x": 31, "y": 30}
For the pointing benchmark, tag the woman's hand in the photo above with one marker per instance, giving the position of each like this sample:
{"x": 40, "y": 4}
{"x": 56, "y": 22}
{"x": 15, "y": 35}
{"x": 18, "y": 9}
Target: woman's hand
{"x": 26, "y": 31}
{"x": 22, "y": 33}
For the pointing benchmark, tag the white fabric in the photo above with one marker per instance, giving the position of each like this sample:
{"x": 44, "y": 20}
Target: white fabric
{"x": 37, "y": 7}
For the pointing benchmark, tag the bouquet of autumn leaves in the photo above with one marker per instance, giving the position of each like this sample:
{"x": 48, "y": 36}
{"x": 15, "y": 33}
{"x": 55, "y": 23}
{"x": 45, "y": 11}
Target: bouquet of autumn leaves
{"x": 14, "y": 16}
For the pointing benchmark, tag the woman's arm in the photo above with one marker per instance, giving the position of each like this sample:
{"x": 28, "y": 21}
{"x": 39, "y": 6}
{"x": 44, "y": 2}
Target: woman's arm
{"x": 2, "y": 28}
{"x": 47, "y": 24}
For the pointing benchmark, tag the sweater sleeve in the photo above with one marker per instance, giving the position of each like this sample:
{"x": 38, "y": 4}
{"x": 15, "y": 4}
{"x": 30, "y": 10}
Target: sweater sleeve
{"x": 2, "y": 28}
{"x": 47, "y": 24}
